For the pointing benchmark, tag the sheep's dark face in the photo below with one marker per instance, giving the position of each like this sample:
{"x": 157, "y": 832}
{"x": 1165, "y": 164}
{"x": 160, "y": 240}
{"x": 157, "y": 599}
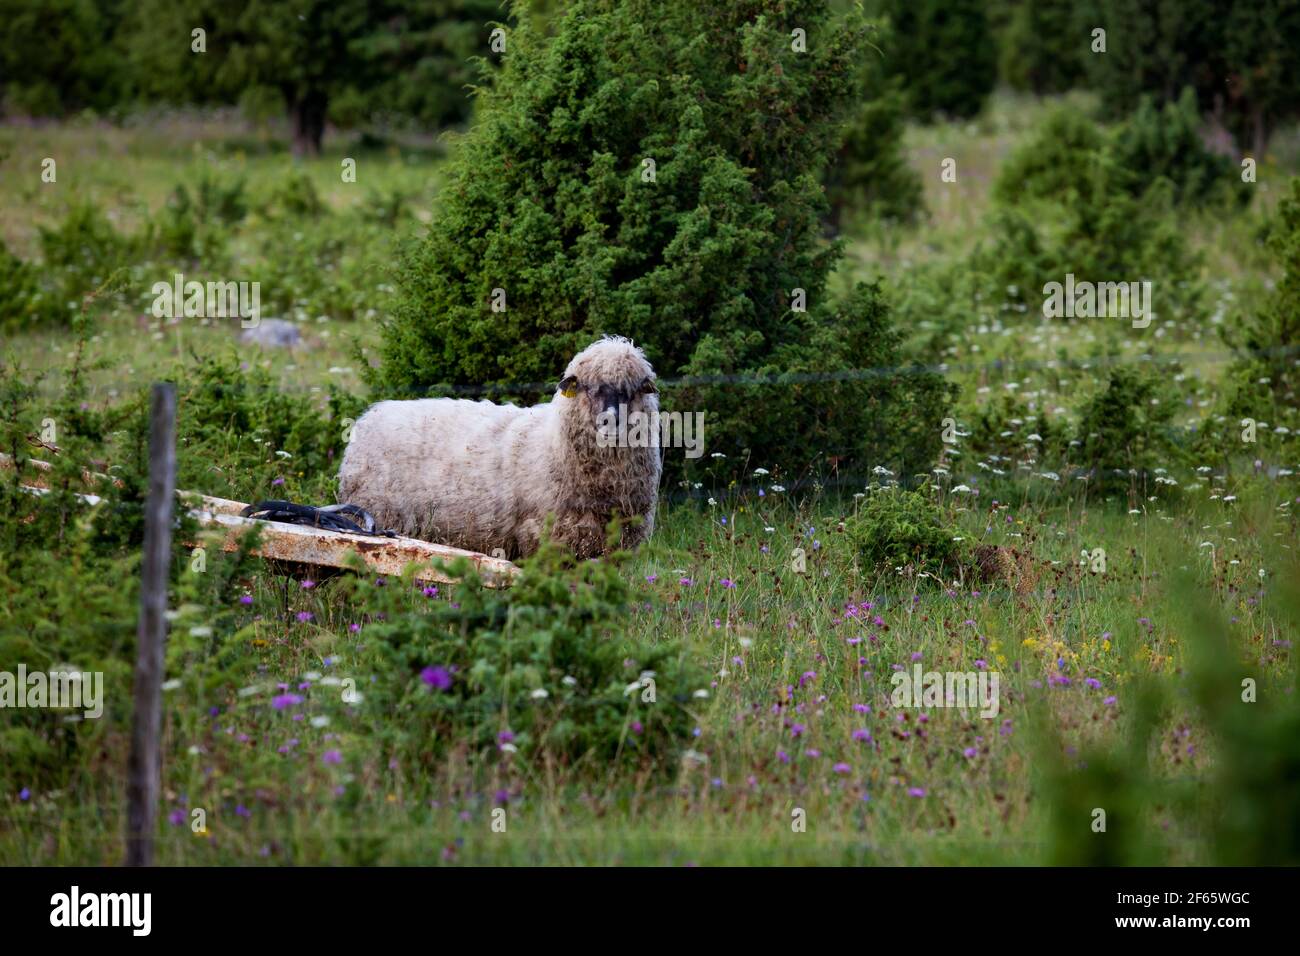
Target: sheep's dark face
{"x": 609, "y": 388}
{"x": 606, "y": 402}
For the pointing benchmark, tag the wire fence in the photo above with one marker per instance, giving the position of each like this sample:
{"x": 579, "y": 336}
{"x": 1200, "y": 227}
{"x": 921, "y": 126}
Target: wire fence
{"x": 830, "y": 478}
{"x": 782, "y": 379}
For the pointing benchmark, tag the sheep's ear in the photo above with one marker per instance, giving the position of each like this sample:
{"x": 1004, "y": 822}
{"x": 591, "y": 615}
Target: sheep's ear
{"x": 648, "y": 387}
{"x": 569, "y": 386}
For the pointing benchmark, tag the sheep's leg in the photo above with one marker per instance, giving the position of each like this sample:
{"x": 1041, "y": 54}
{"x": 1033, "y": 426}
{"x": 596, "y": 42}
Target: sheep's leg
{"x": 581, "y": 533}
{"x": 634, "y": 534}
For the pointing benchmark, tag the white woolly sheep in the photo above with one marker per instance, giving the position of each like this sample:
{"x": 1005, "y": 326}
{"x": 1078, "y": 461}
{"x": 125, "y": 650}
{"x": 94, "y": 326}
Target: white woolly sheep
{"x": 484, "y": 477}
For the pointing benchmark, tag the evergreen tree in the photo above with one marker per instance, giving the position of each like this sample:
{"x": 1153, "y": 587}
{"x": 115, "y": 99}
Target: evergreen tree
{"x": 654, "y": 171}
{"x": 1043, "y": 46}
{"x": 944, "y": 53}
{"x": 57, "y": 56}
{"x": 869, "y": 175}
{"x": 1241, "y": 57}
{"x": 402, "y": 56}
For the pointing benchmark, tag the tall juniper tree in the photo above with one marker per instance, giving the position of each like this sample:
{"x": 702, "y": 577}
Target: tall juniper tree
{"x": 653, "y": 170}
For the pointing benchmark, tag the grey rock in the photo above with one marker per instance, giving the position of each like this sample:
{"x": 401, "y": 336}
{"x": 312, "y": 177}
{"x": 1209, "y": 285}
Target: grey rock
{"x": 272, "y": 333}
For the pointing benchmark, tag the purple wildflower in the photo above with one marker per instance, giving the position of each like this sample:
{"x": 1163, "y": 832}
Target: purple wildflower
{"x": 436, "y": 677}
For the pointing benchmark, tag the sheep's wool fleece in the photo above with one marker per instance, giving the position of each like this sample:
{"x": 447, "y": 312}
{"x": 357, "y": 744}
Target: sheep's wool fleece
{"x": 484, "y": 477}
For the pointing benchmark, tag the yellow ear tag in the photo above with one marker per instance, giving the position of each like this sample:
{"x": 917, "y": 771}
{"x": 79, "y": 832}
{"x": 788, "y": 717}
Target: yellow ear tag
{"x": 570, "y": 392}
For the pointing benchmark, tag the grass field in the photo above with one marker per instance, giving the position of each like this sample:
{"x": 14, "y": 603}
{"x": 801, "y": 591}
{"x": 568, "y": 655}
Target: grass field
{"x": 793, "y": 751}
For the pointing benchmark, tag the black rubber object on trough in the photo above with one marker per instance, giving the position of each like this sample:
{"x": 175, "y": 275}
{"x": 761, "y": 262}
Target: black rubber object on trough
{"x": 349, "y": 518}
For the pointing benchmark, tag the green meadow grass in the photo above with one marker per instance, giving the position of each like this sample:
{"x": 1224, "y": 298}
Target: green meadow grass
{"x": 776, "y": 638}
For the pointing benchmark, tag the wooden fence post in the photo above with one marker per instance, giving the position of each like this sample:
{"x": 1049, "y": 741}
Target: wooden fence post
{"x": 144, "y": 771}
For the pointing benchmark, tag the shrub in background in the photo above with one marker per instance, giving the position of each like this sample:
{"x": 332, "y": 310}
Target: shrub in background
{"x": 896, "y": 528}
{"x": 25, "y": 302}
{"x": 1055, "y": 158}
{"x": 1003, "y": 428}
{"x": 183, "y": 231}
{"x": 1126, "y": 431}
{"x": 836, "y": 399}
{"x": 221, "y": 200}
{"x": 1263, "y": 381}
{"x": 1100, "y": 233}
{"x": 1166, "y": 141}
{"x": 83, "y": 251}
{"x": 336, "y": 266}
{"x": 1067, "y": 150}
{"x": 293, "y": 196}
{"x": 1271, "y": 334}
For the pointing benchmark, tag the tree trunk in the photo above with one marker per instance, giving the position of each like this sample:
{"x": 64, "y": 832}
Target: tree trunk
{"x": 307, "y": 114}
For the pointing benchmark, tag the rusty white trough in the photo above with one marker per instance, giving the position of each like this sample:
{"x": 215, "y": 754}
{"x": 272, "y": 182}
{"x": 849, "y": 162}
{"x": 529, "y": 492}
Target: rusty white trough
{"x": 300, "y": 544}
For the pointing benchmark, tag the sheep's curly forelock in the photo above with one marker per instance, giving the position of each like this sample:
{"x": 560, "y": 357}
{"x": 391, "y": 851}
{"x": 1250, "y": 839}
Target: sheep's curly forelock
{"x": 612, "y": 360}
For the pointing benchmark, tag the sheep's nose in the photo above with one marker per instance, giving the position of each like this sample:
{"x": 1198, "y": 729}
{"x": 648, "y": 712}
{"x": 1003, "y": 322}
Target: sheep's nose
{"x": 611, "y": 407}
